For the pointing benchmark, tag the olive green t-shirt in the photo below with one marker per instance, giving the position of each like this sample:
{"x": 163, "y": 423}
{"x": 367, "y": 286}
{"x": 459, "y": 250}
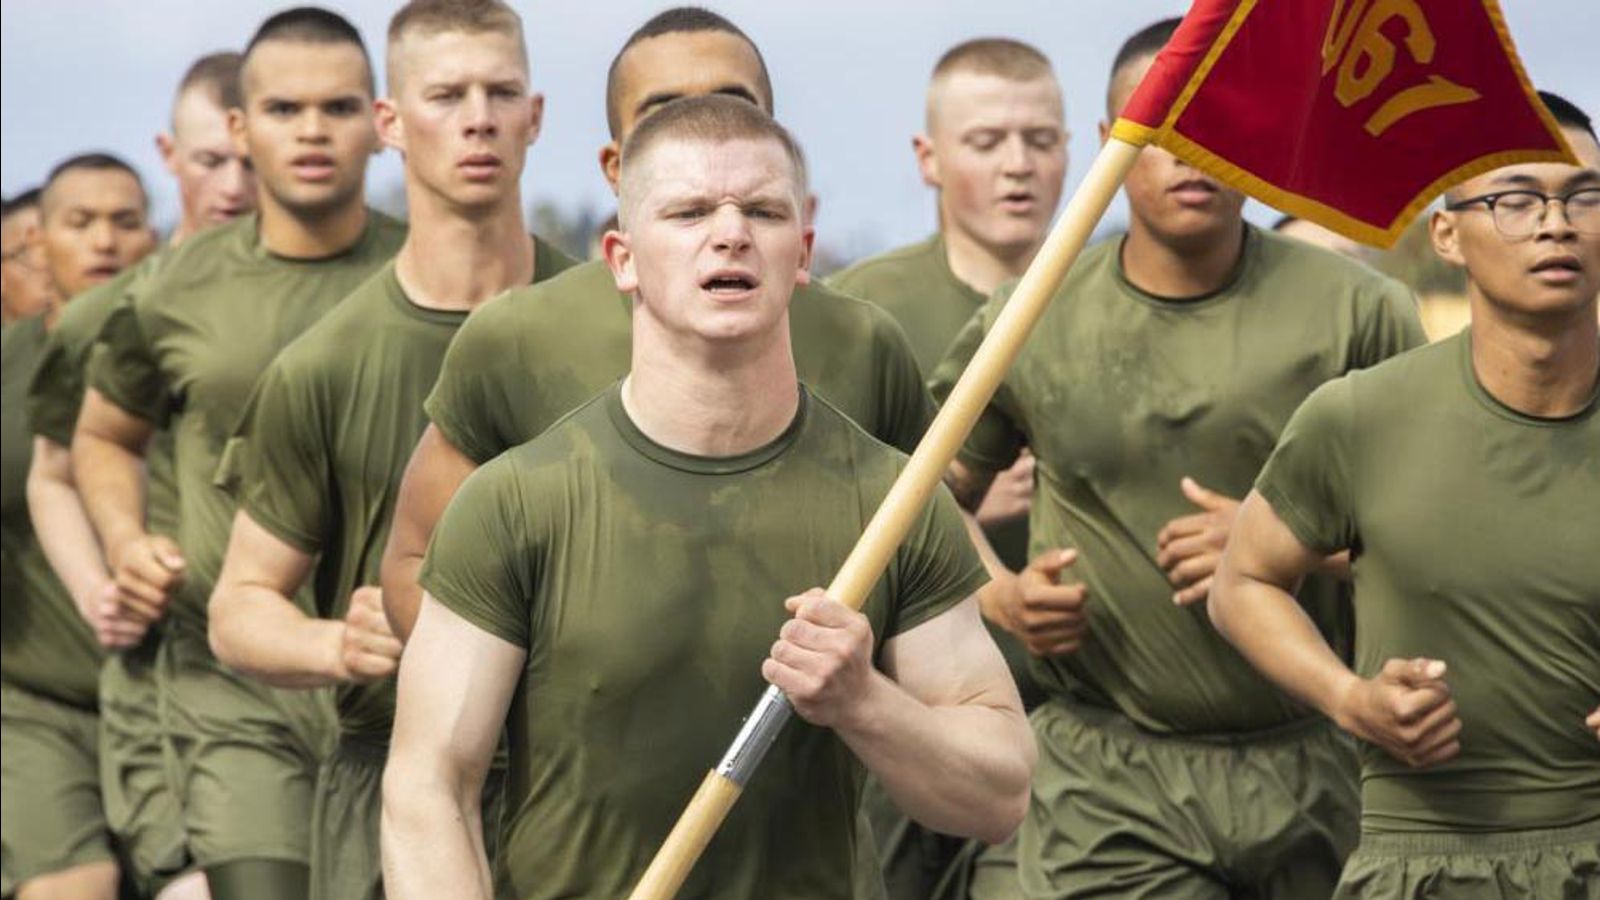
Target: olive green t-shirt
{"x": 1121, "y": 394}
{"x": 914, "y": 284}
{"x": 1474, "y": 532}
{"x": 45, "y": 646}
{"x": 529, "y": 357}
{"x": 647, "y": 587}
{"x": 189, "y": 348}
{"x": 56, "y": 394}
{"x": 325, "y": 438}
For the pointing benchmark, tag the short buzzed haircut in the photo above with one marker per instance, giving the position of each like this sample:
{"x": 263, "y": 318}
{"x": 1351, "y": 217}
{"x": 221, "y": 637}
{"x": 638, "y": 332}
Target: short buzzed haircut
{"x": 216, "y": 76}
{"x": 1566, "y": 113}
{"x": 92, "y": 162}
{"x": 678, "y": 20}
{"x": 22, "y": 201}
{"x": 438, "y": 16}
{"x": 1001, "y": 57}
{"x": 1147, "y": 41}
{"x": 310, "y": 25}
{"x": 712, "y": 119}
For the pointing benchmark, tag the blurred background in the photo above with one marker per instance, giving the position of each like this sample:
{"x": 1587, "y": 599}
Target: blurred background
{"x": 849, "y": 78}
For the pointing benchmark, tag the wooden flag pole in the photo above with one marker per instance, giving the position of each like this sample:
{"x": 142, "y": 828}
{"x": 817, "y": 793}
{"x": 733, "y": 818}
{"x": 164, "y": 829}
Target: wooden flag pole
{"x": 900, "y": 508}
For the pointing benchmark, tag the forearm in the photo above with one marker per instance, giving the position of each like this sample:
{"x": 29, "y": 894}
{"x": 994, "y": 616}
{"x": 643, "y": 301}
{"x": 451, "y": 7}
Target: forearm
{"x": 960, "y": 769}
{"x": 402, "y": 595}
{"x": 1272, "y": 631}
{"x": 432, "y": 838}
{"x": 261, "y": 633}
{"x": 111, "y": 482}
{"x": 61, "y": 523}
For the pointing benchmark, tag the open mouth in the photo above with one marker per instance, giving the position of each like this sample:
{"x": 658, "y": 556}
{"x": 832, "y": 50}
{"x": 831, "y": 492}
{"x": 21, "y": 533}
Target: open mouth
{"x": 106, "y": 271}
{"x": 1017, "y": 201}
{"x": 728, "y": 283}
{"x": 313, "y": 167}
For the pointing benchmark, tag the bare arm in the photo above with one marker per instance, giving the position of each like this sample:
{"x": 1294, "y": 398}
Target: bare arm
{"x": 1406, "y": 708}
{"x": 108, "y": 453}
{"x": 256, "y": 628}
{"x": 942, "y": 726}
{"x": 71, "y": 547}
{"x": 456, "y": 682}
{"x": 432, "y": 477}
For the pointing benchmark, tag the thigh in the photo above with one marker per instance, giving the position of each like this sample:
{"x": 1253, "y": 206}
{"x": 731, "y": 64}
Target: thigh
{"x": 248, "y": 763}
{"x": 51, "y": 818}
{"x": 1110, "y": 816}
{"x": 136, "y": 775}
{"x": 1296, "y": 811}
{"x": 346, "y": 862}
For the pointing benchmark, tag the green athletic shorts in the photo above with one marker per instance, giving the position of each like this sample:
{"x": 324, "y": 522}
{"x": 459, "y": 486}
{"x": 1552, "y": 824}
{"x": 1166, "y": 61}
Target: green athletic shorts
{"x": 1548, "y": 864}
{"x": 246, "y": 755}
{"x": 51, "y": 819}
{"x": 1121, "y": 812}
{"x": 137, "y": 769}
{"x": 346, "y": 857}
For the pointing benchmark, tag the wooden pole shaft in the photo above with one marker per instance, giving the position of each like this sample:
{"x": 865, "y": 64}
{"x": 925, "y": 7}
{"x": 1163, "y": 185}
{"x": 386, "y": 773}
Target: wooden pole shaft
{"x": 905, "y": 500}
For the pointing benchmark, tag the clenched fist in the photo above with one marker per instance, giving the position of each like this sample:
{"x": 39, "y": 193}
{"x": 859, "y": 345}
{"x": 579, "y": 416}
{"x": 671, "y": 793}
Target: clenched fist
{"x": 368, "y": 651}
{"x": 1048, "y": 617}
{"x": 822, "y": 659}
{"x": 1405, "y": 709}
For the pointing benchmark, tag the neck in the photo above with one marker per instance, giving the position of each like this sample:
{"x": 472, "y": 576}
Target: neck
{"x": 186, "y": 229}
{"x": 297, "y": 236}
{"x": 1180, "y": 270}
{"x": 454, "y": 261}
{"x": 984, "y": 268}
{"x": 1539, "y": 366}
{"x": 710, "y": 400}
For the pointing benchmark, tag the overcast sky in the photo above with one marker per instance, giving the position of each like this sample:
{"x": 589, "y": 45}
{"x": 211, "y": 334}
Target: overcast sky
{"x": 848, "y": 74}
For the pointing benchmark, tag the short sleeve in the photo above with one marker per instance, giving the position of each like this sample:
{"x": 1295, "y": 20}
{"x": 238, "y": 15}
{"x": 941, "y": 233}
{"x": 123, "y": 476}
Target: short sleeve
{"x": 463, "y": 403}
{"x": 479, "y": 562}
{"x": 935, "y": 568}
{"x": 1390, "y": 324}
{"x": 996, "y": 440}
{"x": 1307, "y": 480}
{"x": 906, "y": 407}
{"x": 56, "y": 391}
{"x": 277, "y": 461}
{"x": 125, "y": 368}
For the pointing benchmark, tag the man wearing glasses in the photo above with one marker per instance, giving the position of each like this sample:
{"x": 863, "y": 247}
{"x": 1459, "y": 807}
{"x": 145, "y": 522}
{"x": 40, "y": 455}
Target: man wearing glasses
{"x": 1465, "y": 480}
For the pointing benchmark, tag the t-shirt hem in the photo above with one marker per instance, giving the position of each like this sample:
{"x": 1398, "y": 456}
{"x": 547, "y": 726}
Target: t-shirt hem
{"x": 442, "y": 592}
{"x": 926, "y": 612}
{"x": 290, "y": 535}
{"x": 456, "y": 435}
{"x": 1298, "y": 521}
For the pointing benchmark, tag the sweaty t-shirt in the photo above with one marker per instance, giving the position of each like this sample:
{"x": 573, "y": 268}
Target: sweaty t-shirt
{"x": 1121, "y": 394}
{"x": 324, "y": 440}
{"x": 56, "y": 394}
{"x": 189, "y": 348}
{"x": 915, "y": 285}
{"x": 529, "y": 357}
{"x": 45, "y": 646}
{"x": 647, "y": 587}
{"x": 1474, "y": 531}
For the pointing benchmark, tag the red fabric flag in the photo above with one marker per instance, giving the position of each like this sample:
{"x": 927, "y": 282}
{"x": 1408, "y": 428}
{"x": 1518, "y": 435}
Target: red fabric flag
{"x": 1353, "y": 114}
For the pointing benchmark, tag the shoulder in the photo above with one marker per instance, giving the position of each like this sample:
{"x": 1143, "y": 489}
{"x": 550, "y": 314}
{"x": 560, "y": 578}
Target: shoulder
{"x": 884, "y": 271}
{"x": 581, "y": 294}
{"x": 876, "y": 463}
{"x": 823, "y": 304}
{"x": 216, "y": 253}
{"x": 549, "y": 260}
{"x": 1318, "y": 272}
{"x": 334, "y": 341}
{"x": 545, "y": 462}
{"x": 386, "y": 233}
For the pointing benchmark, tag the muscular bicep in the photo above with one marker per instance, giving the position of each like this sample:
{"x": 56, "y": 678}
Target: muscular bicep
{"x": 455, "y": 685}
{"x": 1261, "y": 547}
{"x": 103, "y": 420}
{"x": 259, "y": 558}
{"x": 434, "y": 474}
{"x": 950, "y": 660}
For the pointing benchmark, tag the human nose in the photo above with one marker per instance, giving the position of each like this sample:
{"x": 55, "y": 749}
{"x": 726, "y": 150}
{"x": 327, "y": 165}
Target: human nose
{"x": 729, "y": 229}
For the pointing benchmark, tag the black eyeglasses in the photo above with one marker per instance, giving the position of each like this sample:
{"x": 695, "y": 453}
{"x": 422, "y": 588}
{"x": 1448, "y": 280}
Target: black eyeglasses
{"x": 1517, "y": 214}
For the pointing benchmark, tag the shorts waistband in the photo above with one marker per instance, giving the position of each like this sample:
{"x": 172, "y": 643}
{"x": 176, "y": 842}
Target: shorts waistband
{"x": 1120, "y": 725}
{"x": 1449, "y": 843}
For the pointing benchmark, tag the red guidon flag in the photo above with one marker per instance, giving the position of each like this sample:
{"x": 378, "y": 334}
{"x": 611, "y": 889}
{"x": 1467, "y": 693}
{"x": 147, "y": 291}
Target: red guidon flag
{"x": 1353, "y": 114}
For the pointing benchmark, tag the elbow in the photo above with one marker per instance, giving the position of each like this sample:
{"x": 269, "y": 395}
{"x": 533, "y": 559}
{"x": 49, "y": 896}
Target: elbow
{"x": 1011, "y": 787}
{"x": 220, "y": 631}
